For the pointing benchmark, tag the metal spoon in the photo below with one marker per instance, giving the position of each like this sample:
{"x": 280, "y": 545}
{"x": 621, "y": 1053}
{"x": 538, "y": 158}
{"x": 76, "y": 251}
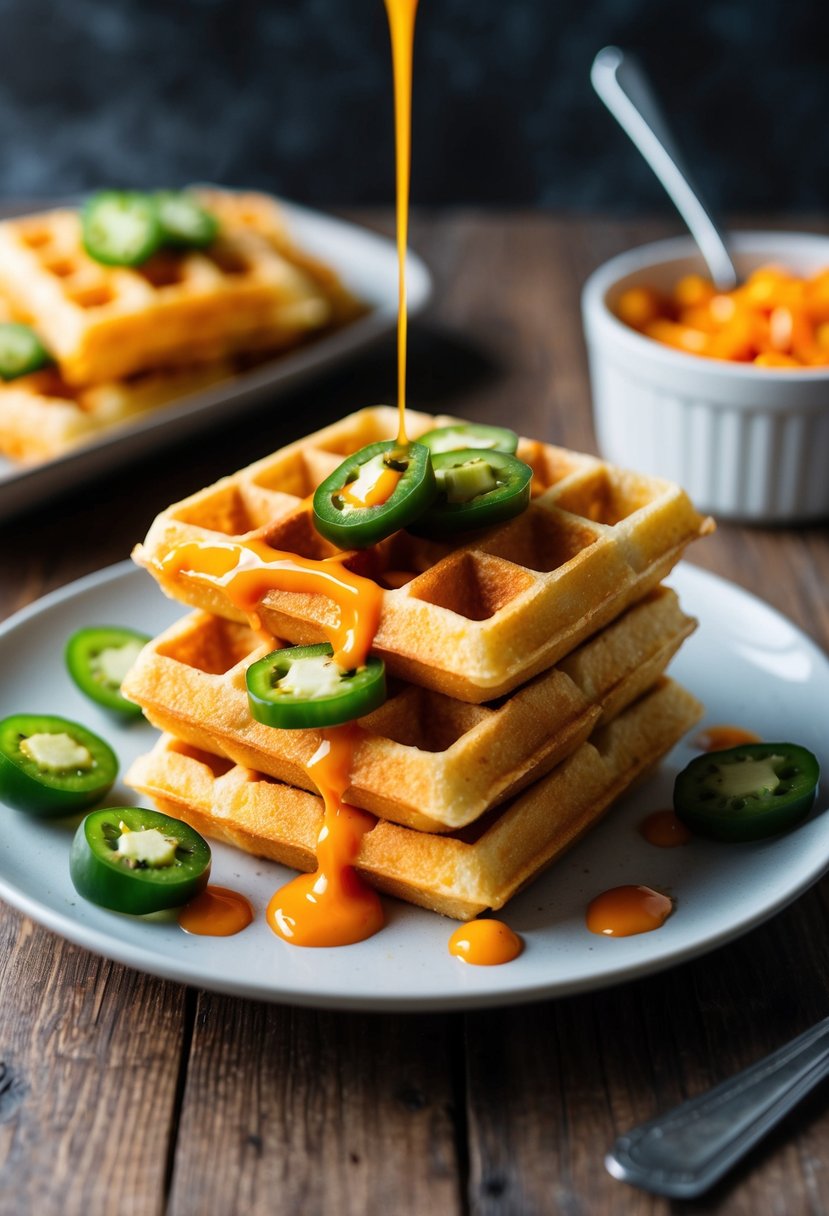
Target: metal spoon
{"x": 622, "y": 86}
{"x": 687, "y": 1150}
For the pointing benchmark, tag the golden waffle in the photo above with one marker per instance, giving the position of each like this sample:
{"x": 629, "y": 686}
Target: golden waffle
{"x": 41, "y": 416}
{"x": 477, "y": 618}
{"x": 103, "y": 323}
{"x": 262, "y": 214}
{"x": 424, "y": 759}
{"x": 460, "y": 874}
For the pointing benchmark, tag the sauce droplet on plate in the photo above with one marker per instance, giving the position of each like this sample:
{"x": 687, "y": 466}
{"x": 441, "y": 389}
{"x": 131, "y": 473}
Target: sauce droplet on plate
{"x": 216, "y": 912}
{"x": 664, "y": 829}
{"x": 625, "y": 911}
{"x": 720, "y": 738}
{"x": 485, "y": 943}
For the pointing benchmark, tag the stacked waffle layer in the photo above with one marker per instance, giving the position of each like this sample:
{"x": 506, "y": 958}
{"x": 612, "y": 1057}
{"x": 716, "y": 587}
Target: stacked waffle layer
{"x": 130, "y": 339}
{"x": 504, "y": 737}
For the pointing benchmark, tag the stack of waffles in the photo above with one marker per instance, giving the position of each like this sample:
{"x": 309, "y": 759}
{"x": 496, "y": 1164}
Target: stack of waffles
{"x": 130, "y": 339}
{"x": 527, "y": 672}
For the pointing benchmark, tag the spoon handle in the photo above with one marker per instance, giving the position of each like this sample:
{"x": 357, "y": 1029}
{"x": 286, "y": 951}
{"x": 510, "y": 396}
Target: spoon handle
{"x": 622, "y": 86}
{"x": 684, "y": 1152}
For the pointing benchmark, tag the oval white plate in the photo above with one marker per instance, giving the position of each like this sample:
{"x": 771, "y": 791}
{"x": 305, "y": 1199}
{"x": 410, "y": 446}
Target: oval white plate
{"x": 747, "y": 663}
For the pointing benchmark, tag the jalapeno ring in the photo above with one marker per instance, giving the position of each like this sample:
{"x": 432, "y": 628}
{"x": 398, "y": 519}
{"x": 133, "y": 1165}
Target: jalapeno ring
{"x": 377, "y": 491}
{"x": 297, "y": 688}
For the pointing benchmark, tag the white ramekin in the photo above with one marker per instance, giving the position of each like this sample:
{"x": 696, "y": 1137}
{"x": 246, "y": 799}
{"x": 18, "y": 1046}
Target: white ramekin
{"x": 747, "y": 443}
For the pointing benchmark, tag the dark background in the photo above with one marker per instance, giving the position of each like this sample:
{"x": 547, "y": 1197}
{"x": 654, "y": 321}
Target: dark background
{"x": 295, "y": 97}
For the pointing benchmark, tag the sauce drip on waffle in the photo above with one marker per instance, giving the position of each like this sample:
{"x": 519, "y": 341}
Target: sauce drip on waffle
{"x": 247, "y": 570}
{"x": 332, "y": 906}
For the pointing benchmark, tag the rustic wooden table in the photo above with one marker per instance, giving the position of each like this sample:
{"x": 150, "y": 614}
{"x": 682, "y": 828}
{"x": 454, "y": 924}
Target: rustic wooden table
{"x": 121, "y": 1093}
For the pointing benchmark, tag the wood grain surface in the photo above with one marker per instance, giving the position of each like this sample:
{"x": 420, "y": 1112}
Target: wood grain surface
{"x": 120, "y": 1093}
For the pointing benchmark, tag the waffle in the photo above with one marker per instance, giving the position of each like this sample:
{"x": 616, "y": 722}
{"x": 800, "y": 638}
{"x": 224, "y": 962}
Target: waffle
{"x": 477, "y": 618}
{"x": 262, "y": 214}
{"x": 103, "y": 323}
{"x": 41, "y": 416}
{"x": 424, "y": 759}
{"x": 460, "y": 874}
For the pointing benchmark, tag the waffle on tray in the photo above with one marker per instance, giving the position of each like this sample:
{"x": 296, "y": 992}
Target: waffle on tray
{"x": 477, "y": 618}
{"x": 103, "y": 323}
{"x": 424, "y": 759}
{"x": 42, "y": 417}
{"x": 129, "y": 340}
{"x": 460, "y": 874}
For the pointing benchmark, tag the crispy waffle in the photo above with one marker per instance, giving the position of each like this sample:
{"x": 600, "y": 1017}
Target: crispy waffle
{"x": 472, "y": 620}
{"x": 262, "y": 214}
{"x": 103, "y": 323}
{"x": 424, "y": 759}
{"x": 41, "y": 416}
{"x": 460, "y": 874}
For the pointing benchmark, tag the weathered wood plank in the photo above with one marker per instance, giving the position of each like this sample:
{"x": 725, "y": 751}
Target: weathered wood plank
{"x": 90, "y": 1056}
{"x": 289, "y": 1111}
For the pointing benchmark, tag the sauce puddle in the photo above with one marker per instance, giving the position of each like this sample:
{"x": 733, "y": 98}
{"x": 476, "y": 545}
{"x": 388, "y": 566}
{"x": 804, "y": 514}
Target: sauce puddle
{"x": 216, "y": 912}
{"x": 665, "y": 830}
{"x": 626, "y": 911}
{"x": 485, "y": 943}
{"x": 720, "y": 738}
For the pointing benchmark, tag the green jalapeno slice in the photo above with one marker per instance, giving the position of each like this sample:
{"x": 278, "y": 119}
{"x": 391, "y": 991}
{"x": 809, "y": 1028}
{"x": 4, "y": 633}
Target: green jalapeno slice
{"x": 463, "y": 436}
{"x": 138, "y": 861}
{"x": 21, "y": 351}
{"x": 300, "y": 687}
{"x": 121, "y": 228}
{"x": 50, "y": 766}
{"x": 98, "y": 658}
{"x": 185, "y": 224}
{"x": 475, "y": 490}
{"x": 747, "y": 792}
{"x": 373, "y": 493}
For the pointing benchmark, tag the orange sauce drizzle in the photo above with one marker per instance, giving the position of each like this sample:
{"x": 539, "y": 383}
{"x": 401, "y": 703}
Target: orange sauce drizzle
{"x": 373, "y": 495}
{"x": 485, "y": 943}
{"x": 664, "y": 829}
{"x": 719, "y": 738}
{"x": 332, "y": 906}
{"x": 401, "y": 15}
{"x": 248, "y": 570}
{"x": 216, "y": 912}
{"x": 625, "y": 911}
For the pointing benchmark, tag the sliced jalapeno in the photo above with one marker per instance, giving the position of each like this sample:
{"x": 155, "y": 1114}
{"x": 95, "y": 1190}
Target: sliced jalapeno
{"x": 185, "y": 224}
{"x": 21, "y": 351}
{"x": 99, "y": 657}
{"x": 747, "y": 792}
{"x": 50, "y": 766}
{"x": 138, "y": 861}
{"x": 301, "y": 687}
{"x": 373, "y": 493}
{"x": 121, "y": 228}
{"x": 465, "y": 435}
{"x": 475, "y": 490}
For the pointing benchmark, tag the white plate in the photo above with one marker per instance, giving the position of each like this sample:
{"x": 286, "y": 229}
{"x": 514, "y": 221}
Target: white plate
{"x": 748, "y": 664}
{"x": 366, "y": 263}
